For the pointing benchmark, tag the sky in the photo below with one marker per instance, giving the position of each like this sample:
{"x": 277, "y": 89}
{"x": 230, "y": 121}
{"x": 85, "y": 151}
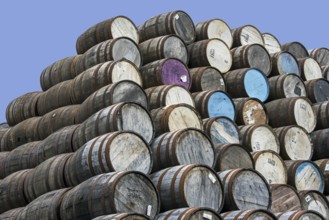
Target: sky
{"x": 36, "y": 33}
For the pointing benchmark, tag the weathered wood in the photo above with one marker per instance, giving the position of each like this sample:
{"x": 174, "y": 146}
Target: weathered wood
{"x": 185, "y": 146}
{"x": 300, "y": 215}
{"x": 259, "y": 138}
{"x": 321, "y": 111}
{"x": 113, "y": 152}
{"x": 214, "y": 104}
{"x": 119, "y": 117}
{"x": 232, "y": 156}
{"x": 101, "y": 75}
{"x": 4, "y": 125}
{"x": 175, "y": 117}
{"x": 295, "y": 142}
{"x": 291, "y": 111}
{"x": 247, "y": 82}
{"x": 297, "y": 49}
{"x": 214, "y": 28}
{"x": 110, "y": 193}
{"x": 304, "y": 175}
{"x": 207, "y": 78}
{"x": 169, "y": 71}
{"x": 249, "y": 215}
{"x": 271, "y": 43}
{"x": 123, "y": 216}
{"x": 46, "y": 177}
{"x": 119, "y": 26}
{"x": 245, "y": 189}
{"x": 284, "y": 198}
{"x": 320, "y": 140}
{"x": 175, "y": 22}
{"x": 189, "y": 186}
{"x": 317, "y": 90}
{"x": 325, "y": 72}
{"x": 122, "y": 91}
{"x": 4, "y": 139}
{"x": 189, "y": 214}
{"x": 250, "y": 111}
{"x": 245, "y": 35}
{"x": 3, "y": 161}
{"x": 324, "y": 168}
{"x": 283, "y": 63}
{"x": 22, "y": 108}
{"x": 162, "y": 96}
{"x": 315, "y": 201}
{"x": 252, "y": 56}
{"x": 321, "y": 55}
{"x": 12, "y": 214}
{"x": 212, "y": 52}
{"x": 271, "y": 166}
{"x": 221, "y": 130}
{"x": 310, "y": 68}
{"x": 169, "y": 46}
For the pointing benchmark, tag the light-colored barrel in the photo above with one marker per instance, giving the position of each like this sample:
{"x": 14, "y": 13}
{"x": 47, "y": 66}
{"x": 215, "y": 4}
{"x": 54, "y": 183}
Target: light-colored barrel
{"x": 262, "y": 214}
{"x": 315, "y": 201}
{"x": 324, "y": 168}
{"x": 320, "y": 140}
{"x": 271, "y": 43}
{"x": 250, "y": 111}
{"x": 284, "y": 198}
{"x": 317, "y": 90}
{"x": 245, "y": 35}
{"x": 297, "y": 49}
{"x": 12, "y": 214}
{"x": 321, "y": 111}
{"x": 321, "y": 55}
{"x": 189, "y": 214}
{"x": 300, "y": 215}
{"x": 310, "y": 69}
{"x": 284, "y": 63}
{"x": 122, "y": 216}
{"x": 207, "y": 78}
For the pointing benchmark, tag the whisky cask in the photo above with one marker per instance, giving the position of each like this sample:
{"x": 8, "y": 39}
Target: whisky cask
{"x": 284, "y": 198}
{"x": 189, "y": 214}
{"x": 325, "y": 72}
{"x": 249, "y": 215}
{"x": 309, "y": 69}
{"x": 315, "y": 201}
{"x": 12, "y": 214}
{"x": 321, "y": 111}
{"x": 3, "y": 161}
{"x": 320, "y": 140}
{"x": 284, "y": 63}
{"x": 324, "y": 168}
{"x": 245, "y": 35}
{"x": 321, "y": 55}
{"x": 317, "y": 90}
{"x": 250, "y": 111}
{"x": 123, "y": 216}
{"x": 271, "y": 43}
{"x": 297, "y": 49}
{"x": 206, "y": 78}
{"x": 300, "y": 215}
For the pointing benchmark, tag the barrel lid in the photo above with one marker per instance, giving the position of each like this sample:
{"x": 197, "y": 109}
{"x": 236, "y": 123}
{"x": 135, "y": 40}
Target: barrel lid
{"x": 218, "y": 28}
{"x": 250, "y": 35}
{"x": 293, "y": 86}
{"x": 307, "y": 176}
{"x": 310, "y": 68}
{"x": 222, "y": 130}
{"x": 287, "y": 63}
{"x": 256, "y": 84}
{"x": 257, "y": 57}
{"x": 280, "y": 193}
{"x": 122, "y": 26}
{"x": 176, "y": 94}
{"x": 125, "y": 70}
{"x": 218, "y": 55}
{"x": 174, "y": 47}
{"x": 297, "y": 49}
{"x": 321, "y": 90}
{"x": 253, "y": 112}
{"x": 125, "y": 48}
{"x": 220, "y": 104}
{"x": 316, "y": 201}
{"x": 175, "y": 71}
{"x": 183, "y": 26}
{"x": 271, "y": 43}
{"x": 321, "y": 55}
{"x": 303, "y": 114}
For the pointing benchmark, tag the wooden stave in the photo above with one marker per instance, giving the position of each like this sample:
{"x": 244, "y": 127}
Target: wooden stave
{"x": 321, "y": 110}
{"x": 325, "y": 72}
{"x": 12, "y": 214}
{"x": 312, "y": 86}
{"x": 197, "y": 75}
{"x": 322, "y": 164}
{"x": 276, "y": 69}
{"x": 283, "y": 204}
{"x": 189, "y": 214}
{"x": 123, "y": 216}
{"x": 248, "y": 215}
{"x": 303, "y": 195}
{"x": 3, "y": 160}
{"x": 303, "y": 64}
{"x": 320, "y": 142}
{"x": 302, "y": 53}
{"x": 237, "y": 32}
{"x": 267, "y": 46}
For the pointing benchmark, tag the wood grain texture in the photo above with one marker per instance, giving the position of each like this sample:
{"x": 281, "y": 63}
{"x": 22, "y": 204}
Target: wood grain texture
{"x": 284, "y": 198}
{"x": 315, "y": 201}
{"x": 310, "y": 68}
{"x": 284, "y": 63}
{"x": 325, "y": 72}
{"x": 207, "y": 78}
{"x": 4, "y": 139}
{"x": 300, "y": 215}
{"x": 324, "y": 168}
{"x": 123, "y": 216}
{"x": 245, "y": 35}
{"x": 317, "y": 90}
{"x": 321, "y": 111}
{"x": 271, "y": 43}
{"x": 249, "y": 215}
{"x": 321, "y": 55}
{"x": 3, "y": 161}
{"x": 12, "y": 214}
{"x": 250, "y": 111}
{"x": 297, "y": 49}
{"x": 320, "y": 141}
{"x": 189, "y": 214}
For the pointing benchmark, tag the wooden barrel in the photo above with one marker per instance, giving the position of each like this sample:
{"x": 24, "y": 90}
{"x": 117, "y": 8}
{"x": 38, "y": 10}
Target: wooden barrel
{"x": 4, "y": 125}
{"x": 271, "y": 166}
{"x": 304, "y": 175}
{"x": 214, "y": 28}
{"x": 325, "y": 72}
{"x": 310, "y": 68}
{"x": 249, "y": 215}
{"x": 57, "y": 119}
{"x": 118, "y": 117}
{"x": 169, "y": 71}
{"x": 291, "y": 111}
{"x": 189, "y": 186}
{"x": 3, "y": 160}
{"x": 286, "y": 86}
{"x": 207, "y": 78}
{"x": 162, "y": 96}
{"x": 221, "y": 130}
{"x": 123, "y": 216}
{"x": 212, "y": 52}
{"x": 122, "y": 91}
{"x": 324, "y": 168}
{"x": 175, "y": 117}
{"x": 315, "y": 201}
{"x": 250, "y": 111}
{"x": 59, "y": 71}
{"x": 169, "y": 46}
{"x": 232, "y": 156}
{"x": 101, "y": 75}
{"x": 297, "y": 49}
{"x": 245, "y": 35}
{"x": 321, "y": 111}
{"x": 295, "y": 142}
{"x": 321, "y": 55}
{"x": 44, "y": 207}
{"x": 300, "y": 215}
{"x": 12, "y": 194}
{"x": 283, "y": 63}
{"x": 46, "y": 177}
{"x": 112, "y": 152}
{"x": 284, "y": 198}
{"x": 252, "y": 56}
{"x": 55, "y": 97}
{"x": 22, "y": 108}
{"x": 175, "y": 22}
{"x": 245, "y": 189}
{"x": 12, "y": 214}
{"x": 247, "y": 82}
{"x": 189, "y": 214}
{"x": 119, "y": 26}
{"x": 4, "y": 139}
{"x": 259, "y": 138}
{"x": 110, "y": 193}
{"x": 320, "y": 141}
{"x": 185, "y": 146}
{"x": 271, "y": 43}
{"x": 317, "y": 90}
{"x": 214, "y": 104}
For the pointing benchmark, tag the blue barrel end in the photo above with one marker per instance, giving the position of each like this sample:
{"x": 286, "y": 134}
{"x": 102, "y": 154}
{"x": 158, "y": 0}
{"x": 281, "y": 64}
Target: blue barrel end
{"x": 221, "y": 104}
{"x": 256, "y": 84}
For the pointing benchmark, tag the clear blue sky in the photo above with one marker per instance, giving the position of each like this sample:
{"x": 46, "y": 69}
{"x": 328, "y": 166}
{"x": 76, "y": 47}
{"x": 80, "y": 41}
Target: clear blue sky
{"x": 37, "y": 33}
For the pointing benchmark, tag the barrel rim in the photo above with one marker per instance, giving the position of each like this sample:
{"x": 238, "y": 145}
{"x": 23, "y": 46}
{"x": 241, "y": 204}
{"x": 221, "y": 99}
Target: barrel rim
{"x": 191, "y": 20}
{"x": 288, "y": 44}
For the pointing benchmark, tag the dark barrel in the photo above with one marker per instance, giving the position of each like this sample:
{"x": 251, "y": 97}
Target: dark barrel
{"x": 232, "y": 156}
{"x": 189, "y": 186}
{"x": 214, "y": 103}
{"x": 207, "y": 78}
{"x": 119, "y": 26}
{"x": 320, "y": 139}
{"x": 284, "y": 198}
{"x": 122, "y": 91}
{"x": 175, "y": 22}
{"x": 317, "y": 90}
{"x": 325, "y": 72}
{"x": 297, "y": 49}
{"x": 185, "y": 146}
{"x": 212, "y": 52}
{"x": 315, "y": 201}
{"x": 123, "y": 216}
{"x": 3, "y": 160}
{"x": 250, "y": 111}
{"x": 324, "y": 168}
{"x": 112, "y": 152}
{"x": 321, "y": 55}
{"x": 214, "y": 28}
{"x": 310, "y": 68}
{"x": 245, "y": 35}
{"x": 189, "y": 214}
{"x": 167, "y": 71}
{"x": 169, "y": 46}
{"x": 283, "y": 63}
{"x": 286, "y": 86}
{"x": 110, "y": 193}
{"x": 22, "y": 108}
{"x": 271, "y": 43}
{"x": 252, "y": 56}
{"x": 254, "y": 214}
{"x": 12, "y": 214}
{"x": 4, "y": 139}
{"x": 300, "y": 215}
{"x": 247, "y": 82}
{"x": 291, "y": 111}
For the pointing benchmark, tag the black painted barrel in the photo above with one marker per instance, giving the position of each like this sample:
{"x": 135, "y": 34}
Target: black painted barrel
{"x": 254, "y": 214}
{"x": 284, "y": 198}
{"x": 207, "y": 78}
{"x": 320, "y": 139}
{"x": 313, "y": 200}
{"x": 317, "y": 90}
{"x": 250, "y": 111}
{"x": 297, "y": 49}
{"x": 310, "y": 69}
{"x": 284, "y": 63}
{"x": 271, "y": 43}
{"x": 245, "y": 35}
{"x": 321, "y": 55}
{"x": 189, "y": 214}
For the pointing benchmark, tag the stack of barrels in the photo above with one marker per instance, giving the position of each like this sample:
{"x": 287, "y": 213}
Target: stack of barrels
{"x": 171, "y": 120}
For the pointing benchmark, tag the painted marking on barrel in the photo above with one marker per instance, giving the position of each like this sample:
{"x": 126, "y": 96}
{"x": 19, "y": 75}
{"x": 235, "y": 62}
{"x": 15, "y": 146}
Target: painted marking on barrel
{"x": 308, "y": 198}
{"x": 212, "y": 53}
{"x": 327, "y": 167}
{"x": 183, "y": 78}
{"x": 149, "y": 210}
{"x": 177, "y": 17}
{"x": 221, "y": 81}
{"x": 212, "y": 178}
{"x": 207, "y": 216}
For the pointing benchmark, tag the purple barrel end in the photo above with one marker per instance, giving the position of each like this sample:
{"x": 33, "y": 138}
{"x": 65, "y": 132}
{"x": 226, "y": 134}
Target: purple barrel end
{"x": 174, "y": 72}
